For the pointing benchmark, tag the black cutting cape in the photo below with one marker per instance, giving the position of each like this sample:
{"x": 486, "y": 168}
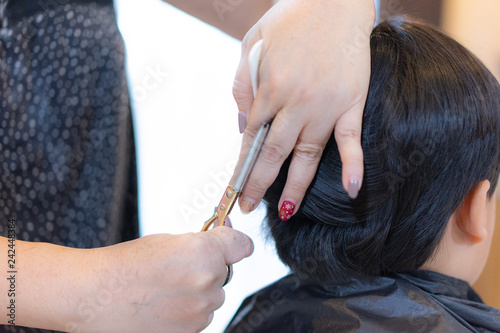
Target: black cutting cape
{"x": 422, "y": 301}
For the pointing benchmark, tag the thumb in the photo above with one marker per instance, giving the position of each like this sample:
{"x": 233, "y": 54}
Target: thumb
{"x": 234, "y": 244}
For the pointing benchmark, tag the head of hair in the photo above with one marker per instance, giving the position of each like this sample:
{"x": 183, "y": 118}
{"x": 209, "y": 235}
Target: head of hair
{"x": 431, "y": 133}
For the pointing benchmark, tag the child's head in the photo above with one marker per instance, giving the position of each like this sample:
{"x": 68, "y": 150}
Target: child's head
{"x": 431, "y": 139}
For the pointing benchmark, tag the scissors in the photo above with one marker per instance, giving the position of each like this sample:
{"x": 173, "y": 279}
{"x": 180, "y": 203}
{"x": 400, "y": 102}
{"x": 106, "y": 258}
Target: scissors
{"x": 233, "y": 191}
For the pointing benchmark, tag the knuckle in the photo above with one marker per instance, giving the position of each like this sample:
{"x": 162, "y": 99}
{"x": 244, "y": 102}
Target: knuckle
{"x": 347, "y": 96}
{"x": 205, "y": 305}
{"x": 275, "y": 82}
{"x": 345, "y": 89}
{"x": 220, "y": 299}
{"x": 207, "y": 280}
{"x": 209, "y": 319}
{"x": 342, "y": 91}
{"x": 273, "y": 154}
{"x": 255, "y": 187}
{"x": 203, "y": 321}
{"x": 249, "y": 136}
{"x": 199, "y": 323}
{"x": 202, "y": 310}
{"x": 309, "y": 153}
{"x": 199, "y": 246}
{"x": 305, "y": 94}
{"x": 342, "y": 134}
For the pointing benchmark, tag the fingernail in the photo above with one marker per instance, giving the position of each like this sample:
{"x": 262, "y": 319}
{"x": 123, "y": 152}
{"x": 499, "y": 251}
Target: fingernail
{"x": 286, "y": 210}
{"x": 242, "y": 121}
{"x": 354, "y": 186}
{"x": 247, "y": 205}
{"x": 227, "y": 223}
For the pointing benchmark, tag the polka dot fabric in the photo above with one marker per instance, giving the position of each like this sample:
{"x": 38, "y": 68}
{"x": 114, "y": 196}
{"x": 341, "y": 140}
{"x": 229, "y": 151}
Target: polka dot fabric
{"x": 67, "y": 159}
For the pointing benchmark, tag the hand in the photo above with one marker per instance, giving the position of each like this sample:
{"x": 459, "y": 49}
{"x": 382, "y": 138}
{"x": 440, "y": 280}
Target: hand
{"x": 313, "y": 77}
{"x": 161, "y": 283}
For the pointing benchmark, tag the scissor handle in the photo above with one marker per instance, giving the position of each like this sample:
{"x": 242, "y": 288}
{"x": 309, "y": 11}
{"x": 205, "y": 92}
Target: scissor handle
{"x": 209, "y": 222}
{"x": 225, "y": 206}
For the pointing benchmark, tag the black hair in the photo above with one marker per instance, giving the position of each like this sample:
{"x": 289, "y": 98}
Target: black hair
{"x": 431, "y": 133}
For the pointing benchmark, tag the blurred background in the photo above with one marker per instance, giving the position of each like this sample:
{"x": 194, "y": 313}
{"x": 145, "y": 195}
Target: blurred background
{"x": 181, "y": 73}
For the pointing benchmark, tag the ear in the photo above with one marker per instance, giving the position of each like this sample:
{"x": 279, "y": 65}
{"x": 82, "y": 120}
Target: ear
{"x": 472, "y": 215}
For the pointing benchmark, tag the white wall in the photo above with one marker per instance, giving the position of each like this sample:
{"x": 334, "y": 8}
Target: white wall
{"x": 181, "y": 73}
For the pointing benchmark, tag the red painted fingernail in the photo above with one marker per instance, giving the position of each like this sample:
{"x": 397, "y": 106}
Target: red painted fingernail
{"x": 286, "y": 210}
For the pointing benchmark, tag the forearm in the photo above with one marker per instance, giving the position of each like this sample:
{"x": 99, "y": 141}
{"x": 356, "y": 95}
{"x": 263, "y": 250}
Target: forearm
{"x": 45, "y": 285}
{"x": 235, "y": 17}
{"x": 144, "y": 284}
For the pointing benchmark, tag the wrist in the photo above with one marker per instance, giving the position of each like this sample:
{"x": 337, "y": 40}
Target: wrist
{"x": 52, "y": 279}
{"x": 88, "y": 300}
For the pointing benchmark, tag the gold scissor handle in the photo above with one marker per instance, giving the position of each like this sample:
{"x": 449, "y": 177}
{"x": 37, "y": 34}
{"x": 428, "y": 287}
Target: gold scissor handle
{"x": 224, "y": 208}
{"x": 209, "y": 222}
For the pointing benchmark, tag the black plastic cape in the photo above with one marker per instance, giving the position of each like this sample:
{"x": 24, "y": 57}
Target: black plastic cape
{"x": 423, "y": 301}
